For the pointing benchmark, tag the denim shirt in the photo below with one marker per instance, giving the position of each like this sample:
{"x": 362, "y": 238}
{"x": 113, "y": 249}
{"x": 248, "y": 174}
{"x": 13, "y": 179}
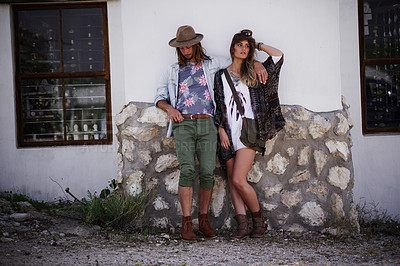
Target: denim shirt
{"x": 167, "y": 88}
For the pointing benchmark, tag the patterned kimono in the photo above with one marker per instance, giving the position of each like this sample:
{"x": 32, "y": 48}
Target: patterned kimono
{"x": 264, "y": 102}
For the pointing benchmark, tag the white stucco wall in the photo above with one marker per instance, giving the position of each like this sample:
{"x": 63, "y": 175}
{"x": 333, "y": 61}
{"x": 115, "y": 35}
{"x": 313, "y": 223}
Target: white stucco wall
{"x": 30, "y": 170}
{"x": 306, "y": 31}
{"x": 375, "y": 157}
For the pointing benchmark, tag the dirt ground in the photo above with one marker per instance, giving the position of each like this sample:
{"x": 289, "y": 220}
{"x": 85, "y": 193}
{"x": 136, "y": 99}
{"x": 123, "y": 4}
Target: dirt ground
{"x": 44, "y": 239}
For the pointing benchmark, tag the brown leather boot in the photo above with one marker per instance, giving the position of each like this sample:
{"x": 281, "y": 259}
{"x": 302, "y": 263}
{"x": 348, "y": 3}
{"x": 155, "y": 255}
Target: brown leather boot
{"x": 243, "y": 227}
{"x": 259, "y": 227}
{"x": 205, "y": 226}
{"x": 187, "y": 229}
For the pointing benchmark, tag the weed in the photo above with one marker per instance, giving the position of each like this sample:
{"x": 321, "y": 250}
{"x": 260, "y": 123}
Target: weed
{"x": 15, "y": 198}
{"x": 373, "y": 220}
{"x": 114, "y": 208}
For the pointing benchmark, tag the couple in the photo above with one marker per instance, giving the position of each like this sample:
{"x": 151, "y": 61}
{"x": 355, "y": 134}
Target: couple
{"x": 204, "y": 115}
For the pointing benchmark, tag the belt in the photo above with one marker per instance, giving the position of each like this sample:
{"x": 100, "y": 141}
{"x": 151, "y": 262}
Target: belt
{"x": 195, "y": 116}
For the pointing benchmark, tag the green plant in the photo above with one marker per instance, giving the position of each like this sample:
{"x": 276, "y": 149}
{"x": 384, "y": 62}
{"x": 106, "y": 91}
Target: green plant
{"x": 14, "y": 198}
{"x": 374, "y": 220}
{"x": 116, "y": 209}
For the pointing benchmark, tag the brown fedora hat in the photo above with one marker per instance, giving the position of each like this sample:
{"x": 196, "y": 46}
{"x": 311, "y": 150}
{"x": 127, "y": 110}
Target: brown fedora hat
{"x": 185, "y": 36}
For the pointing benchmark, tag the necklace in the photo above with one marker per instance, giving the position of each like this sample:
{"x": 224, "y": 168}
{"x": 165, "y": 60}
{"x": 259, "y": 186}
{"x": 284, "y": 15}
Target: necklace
{"x": 235, "y": 78}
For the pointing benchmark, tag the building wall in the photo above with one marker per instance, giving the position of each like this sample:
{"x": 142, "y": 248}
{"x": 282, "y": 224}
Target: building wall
{"x": 375, "y": 157}
{"x": 306, "y": 31}
{"x": 41, "y": 172}
{"x": 320, "y": 42}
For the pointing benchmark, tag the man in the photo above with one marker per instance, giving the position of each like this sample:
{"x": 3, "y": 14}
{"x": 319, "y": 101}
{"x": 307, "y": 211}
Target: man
{"x": 186, "y": 93}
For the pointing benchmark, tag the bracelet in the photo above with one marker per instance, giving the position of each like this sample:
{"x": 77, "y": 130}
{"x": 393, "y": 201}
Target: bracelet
{"x": 259, "y": 46}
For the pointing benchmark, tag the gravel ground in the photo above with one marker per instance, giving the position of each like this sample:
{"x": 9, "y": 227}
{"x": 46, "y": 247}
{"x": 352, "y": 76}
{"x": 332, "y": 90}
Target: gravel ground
{"x": 48, "y": 239}
{"x": 277, "y": 248}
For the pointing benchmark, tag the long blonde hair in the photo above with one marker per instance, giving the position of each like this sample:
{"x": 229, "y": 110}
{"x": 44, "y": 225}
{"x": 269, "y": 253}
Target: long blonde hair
{"x": 247, "y": 75}
{"x": 199, "y": 55}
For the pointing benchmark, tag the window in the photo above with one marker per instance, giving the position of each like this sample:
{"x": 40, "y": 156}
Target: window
{"x": 379, "y": 22}
{"x": 62, "y": 75}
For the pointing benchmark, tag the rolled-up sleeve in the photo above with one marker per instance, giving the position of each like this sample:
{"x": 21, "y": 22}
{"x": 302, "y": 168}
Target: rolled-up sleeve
{"x": 162, "y": 88}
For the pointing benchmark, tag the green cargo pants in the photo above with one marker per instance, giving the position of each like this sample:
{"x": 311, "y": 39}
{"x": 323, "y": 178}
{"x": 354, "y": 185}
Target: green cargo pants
{"x": 196, "y": 137}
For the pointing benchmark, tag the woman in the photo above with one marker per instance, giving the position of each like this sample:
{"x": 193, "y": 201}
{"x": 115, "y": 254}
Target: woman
{"x": 260, "y": 102}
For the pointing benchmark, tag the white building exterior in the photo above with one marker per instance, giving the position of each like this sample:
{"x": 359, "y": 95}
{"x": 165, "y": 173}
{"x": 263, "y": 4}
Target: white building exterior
{"x": 321, "y": 45}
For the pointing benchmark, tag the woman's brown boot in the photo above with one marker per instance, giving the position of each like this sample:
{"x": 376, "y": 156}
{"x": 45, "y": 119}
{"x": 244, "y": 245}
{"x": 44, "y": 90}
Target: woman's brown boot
{"x": 259, "y": 227}
{"x": 205, "y": 226}
{"x": 187, "y": 229}
{"x": 243, "y": 227}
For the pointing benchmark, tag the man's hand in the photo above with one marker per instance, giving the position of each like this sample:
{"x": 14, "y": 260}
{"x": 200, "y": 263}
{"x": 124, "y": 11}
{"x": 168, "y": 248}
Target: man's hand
{"x": 261, "y": 72}
{"x": 174, "y": 114}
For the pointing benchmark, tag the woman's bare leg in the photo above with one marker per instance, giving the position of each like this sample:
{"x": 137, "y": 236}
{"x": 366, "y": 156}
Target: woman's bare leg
{"x": 242, "y": 164}
{"x": 237, "y": 201}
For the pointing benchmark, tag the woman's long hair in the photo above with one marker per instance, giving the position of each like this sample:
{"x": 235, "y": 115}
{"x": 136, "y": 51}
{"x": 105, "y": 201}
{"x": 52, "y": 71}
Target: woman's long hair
{"x": 247, "y": 75}
{"x": 199, "y": 55}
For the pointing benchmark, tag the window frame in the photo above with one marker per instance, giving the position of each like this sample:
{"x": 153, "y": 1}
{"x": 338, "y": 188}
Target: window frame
{"x": 61, "y": 75}
{"x": 364, "y": 62}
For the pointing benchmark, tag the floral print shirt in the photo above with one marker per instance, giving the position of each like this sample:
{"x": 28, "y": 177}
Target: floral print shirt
{"x": 193, "y": 94}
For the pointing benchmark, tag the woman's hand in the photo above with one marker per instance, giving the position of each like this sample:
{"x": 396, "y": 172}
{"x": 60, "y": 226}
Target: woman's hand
{"x": 261, "y": 72}
{"x": 224, "y": 139}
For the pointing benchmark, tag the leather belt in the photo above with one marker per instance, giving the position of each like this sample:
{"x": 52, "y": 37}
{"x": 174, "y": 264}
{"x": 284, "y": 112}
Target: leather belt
{"x": 195, "y": 116}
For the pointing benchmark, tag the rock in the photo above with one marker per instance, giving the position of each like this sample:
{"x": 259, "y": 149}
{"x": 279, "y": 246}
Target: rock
{"x": 304, "y": 156}
{"x": 318, "y": 188}
{"x": 339, "y": 177}
{"x": 296, "y": 228}
{"x": 156, "y": 146}
{"x": 290, "y": 151}
{"x": 127, "y": 149}
{"x": 353, "y": 217}
{"x": 318, "y": 127}
{"x": 300, "y": 176}
{"x": 342, "y": 126}
{"x": 166, "y": 161}
{"x": 301, "y": 114}
{"x": 169, "y": 142}
{"x": 269, "y": 145}
{"x": 313, "y": 214}
{"x": 134, "y": 182}
{"x": 154, "y": 115}
{"x": 145, "y": 157}
{"x": 282, "y": 217}
{"x": 140, "y": 133}
{"x": 270, "y": 191}
{"x": 320, "y": 159}
{"x": 294, "y": 131}
{"x": 338, "y": 148}
{"x": 291, "y": 198}
{"x": 277, "y": 164}
{"x": 83, "y": 231}
{"x": 126, "y": 112}
{"x": 160, "y": 204}
{"x": 268, "y": 207}
{"x": 6, "y": 239}
{"x": 20, "y": 217}
{"x": 25, "y": 206}
{"x": 255, "y": 173}
{"x": 218, "y": 196}
{"x": 172, "y": 182}
{"x": 337, "y": 206}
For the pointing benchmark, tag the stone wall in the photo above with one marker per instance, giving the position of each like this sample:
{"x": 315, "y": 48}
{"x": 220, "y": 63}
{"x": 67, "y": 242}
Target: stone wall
{"x": 303, "y": 182}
